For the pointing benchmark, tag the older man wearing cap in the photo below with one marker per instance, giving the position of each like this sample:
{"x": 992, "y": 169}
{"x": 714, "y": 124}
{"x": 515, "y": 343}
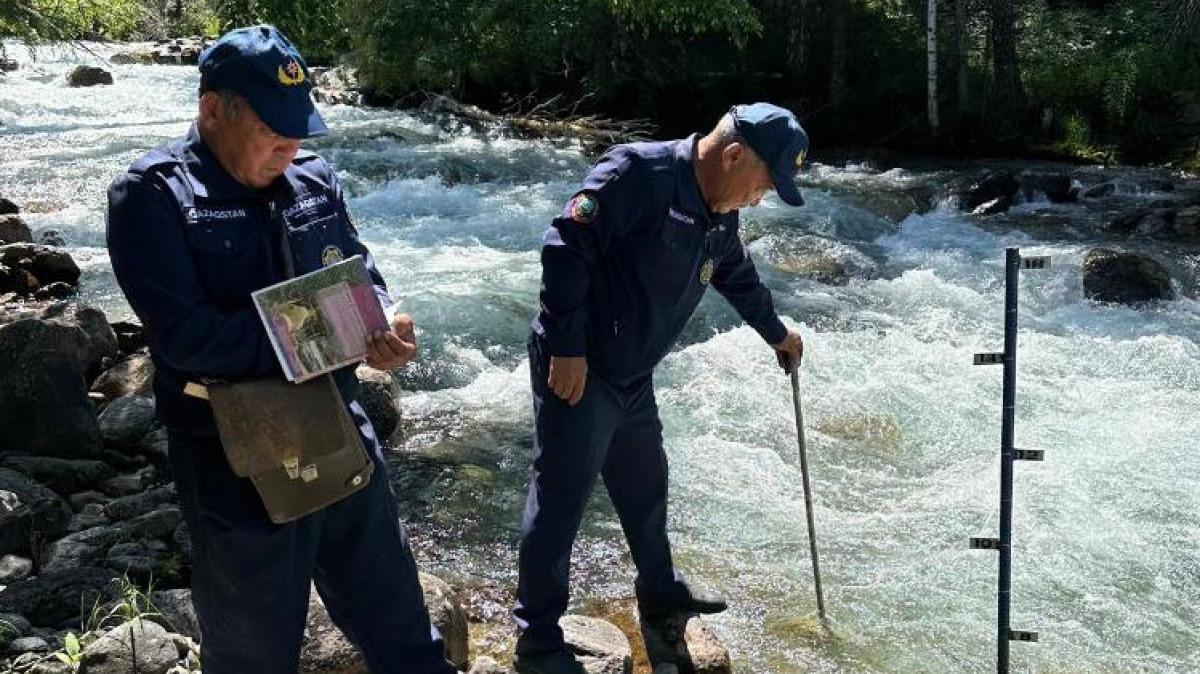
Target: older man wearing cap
{"x": 193, "y": 229}
{"x": 623, "y": 268}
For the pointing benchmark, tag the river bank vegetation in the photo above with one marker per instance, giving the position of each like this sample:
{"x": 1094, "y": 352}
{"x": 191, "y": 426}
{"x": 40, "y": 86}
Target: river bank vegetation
{"x": 1094, "y": 80}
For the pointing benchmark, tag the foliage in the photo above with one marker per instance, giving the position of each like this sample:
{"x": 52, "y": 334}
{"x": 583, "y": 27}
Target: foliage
{"x": 71, "y": 653}
{"x": 39, "y": 20}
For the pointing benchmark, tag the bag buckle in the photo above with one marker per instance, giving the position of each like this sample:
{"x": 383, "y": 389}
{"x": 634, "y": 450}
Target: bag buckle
{"x": 294, "y": 471}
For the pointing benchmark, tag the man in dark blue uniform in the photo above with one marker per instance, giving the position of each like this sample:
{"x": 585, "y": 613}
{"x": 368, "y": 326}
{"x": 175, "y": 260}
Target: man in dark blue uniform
{"x": 193, "y": 229}
{"x": 623, "y": 268}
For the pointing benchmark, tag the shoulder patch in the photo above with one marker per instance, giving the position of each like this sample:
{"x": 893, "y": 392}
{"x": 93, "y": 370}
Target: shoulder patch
{"x": 582, "y": 208}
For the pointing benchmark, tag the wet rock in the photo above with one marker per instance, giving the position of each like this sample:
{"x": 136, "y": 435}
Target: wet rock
{"x": 8, "y": 207}
{"x": 143, "y": 58}
{"x": 8, "y": 65}
{"x": 1099, "y": 191}
{"x": 28, "y": 645}
{"x": 139, "y": 504}
{"x": 448, "y": 616}
{"x": 44, "y": 406}
{"x": 54, "y": 291}
{"x": 64, "y": 476}
{"x": 23, "y": 490}
{"x": 130, "y": 336}
{"x": 873, "y": 430}
{"x": 176, "y": 612}
{"x": 53, "y": 599}
{"x": 685, "y": 644}
{"x": 125, "y": 484}
{"x": 139, "y": 646}
{"x": 126, "y": 420}
{"x": 1058, "y": 187}
{"x": 137, "y": 559}
{"x": 14, "y": 230}
{"x": 30, "y": 527}
{"x": 82, "y": 549}
{"x": 48, "y": 265}
{"x": 598, "y": 645}
{"x": 379, "y": 395}
{"x": 52, "y": 238}
{"x": 997, "y": 205}
{"x": 14, "y": 568}
{"x": 84, "y": 499}
{"x": 816, "y": 258}
{"x": 91, "y": 517}
{"x": 1112, "y": 276}
{"x": 89, "y": 76}
{"x": 998, "y": 185}
{"x": 132, "y": 376}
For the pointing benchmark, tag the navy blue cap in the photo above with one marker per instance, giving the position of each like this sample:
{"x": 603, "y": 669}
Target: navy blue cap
{"x": 263, "y": 66}
{"x": 777, "y": 138}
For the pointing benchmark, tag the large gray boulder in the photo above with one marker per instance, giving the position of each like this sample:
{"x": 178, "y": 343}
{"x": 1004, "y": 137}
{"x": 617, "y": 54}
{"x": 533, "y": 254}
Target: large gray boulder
{"x": 131, "y": 376}
{"x": 89, "y": 76}
{"x": 64, "y": 476}
{"x": 14, "y": 230}
{"x": 47, "y": 353}
{"x": 1127, "y": 278}
{"x": 55, "y": 599}
{"x": 600, "y": 646}
{"x": 126, "y": 420}
{"x": 46, "y": 263}
{"x": 137, "y": 647}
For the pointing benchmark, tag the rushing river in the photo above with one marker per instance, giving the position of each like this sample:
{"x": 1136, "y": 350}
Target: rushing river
{"x": 903, "y": 431}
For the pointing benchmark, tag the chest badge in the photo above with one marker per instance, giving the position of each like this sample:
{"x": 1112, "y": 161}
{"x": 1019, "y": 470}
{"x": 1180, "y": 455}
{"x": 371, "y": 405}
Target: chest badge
{"x": 583, "y": 208}
{"x": 706, "y": 272}
{"x": 331, "y": 255}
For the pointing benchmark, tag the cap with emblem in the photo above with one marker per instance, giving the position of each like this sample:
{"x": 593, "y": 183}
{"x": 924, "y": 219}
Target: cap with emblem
{"x": 263, "y": 66}
{"x": 777, "y": 138}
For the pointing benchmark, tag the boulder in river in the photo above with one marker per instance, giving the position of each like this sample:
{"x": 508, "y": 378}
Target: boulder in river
{"x": 89, "y": 76}
{"x": 1127, "y": 278}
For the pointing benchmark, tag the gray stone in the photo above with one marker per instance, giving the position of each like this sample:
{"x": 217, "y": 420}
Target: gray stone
{"x": 137, "y": 559}
{"x": 125, "y": 484}
{"x": 89, "y": 76}
{"x": 54, "y": 599}
{"x": 64, "y": 476}
{"x": 598, "y": 645}
{"x": 176, "y": 612}
{"x": 139, "y": 504}
{"x": 126, "y": 420}
{"x": 1128, "y": 278}
{"x": 1099, "y": 191}
{"x": 52, "y": 238}
{"x": 46, "y": 353}
{"x": 26, "y": 490}
{"x": 379, "y": 394}
{"x": 87, "y": 547}
{"x": 131, "y": 376}
{"x": 28, "y": 529}
{"x": 160, "y": 523}
{"x": 88, "y": 519}
{"x": 84, "y": 499}
{"x": 448, "y": 616}
{"x": 485, "y": 665}
{"x": 28, "y": 645}
{"x": 14, "y": 568}
{"x": 1000, "y": 185}
{"x": 140, "y": 646}
{"x": 14, "y": 230}
{"x": 48, "y": 264}
{"x": 8, "y": 207}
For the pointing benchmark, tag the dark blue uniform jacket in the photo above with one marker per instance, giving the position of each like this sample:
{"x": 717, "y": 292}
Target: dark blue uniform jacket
{"x": 619, "y": 286}
{"x": 189, "y": 244}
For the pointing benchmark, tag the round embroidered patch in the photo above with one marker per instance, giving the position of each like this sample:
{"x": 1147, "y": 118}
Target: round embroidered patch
{"x": 331, "y": 255}
{"x": 583, "y": 208}
{"x": 706, "y": 272}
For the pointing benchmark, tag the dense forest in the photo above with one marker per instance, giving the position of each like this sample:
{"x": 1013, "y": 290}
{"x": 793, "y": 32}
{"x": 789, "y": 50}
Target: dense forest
{"x": 1098, "y": 80}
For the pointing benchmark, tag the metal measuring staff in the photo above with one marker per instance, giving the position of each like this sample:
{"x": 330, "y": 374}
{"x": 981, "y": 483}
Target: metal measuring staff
{"x": 1013, "y": 263}
{"x": 794, "y": 371}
